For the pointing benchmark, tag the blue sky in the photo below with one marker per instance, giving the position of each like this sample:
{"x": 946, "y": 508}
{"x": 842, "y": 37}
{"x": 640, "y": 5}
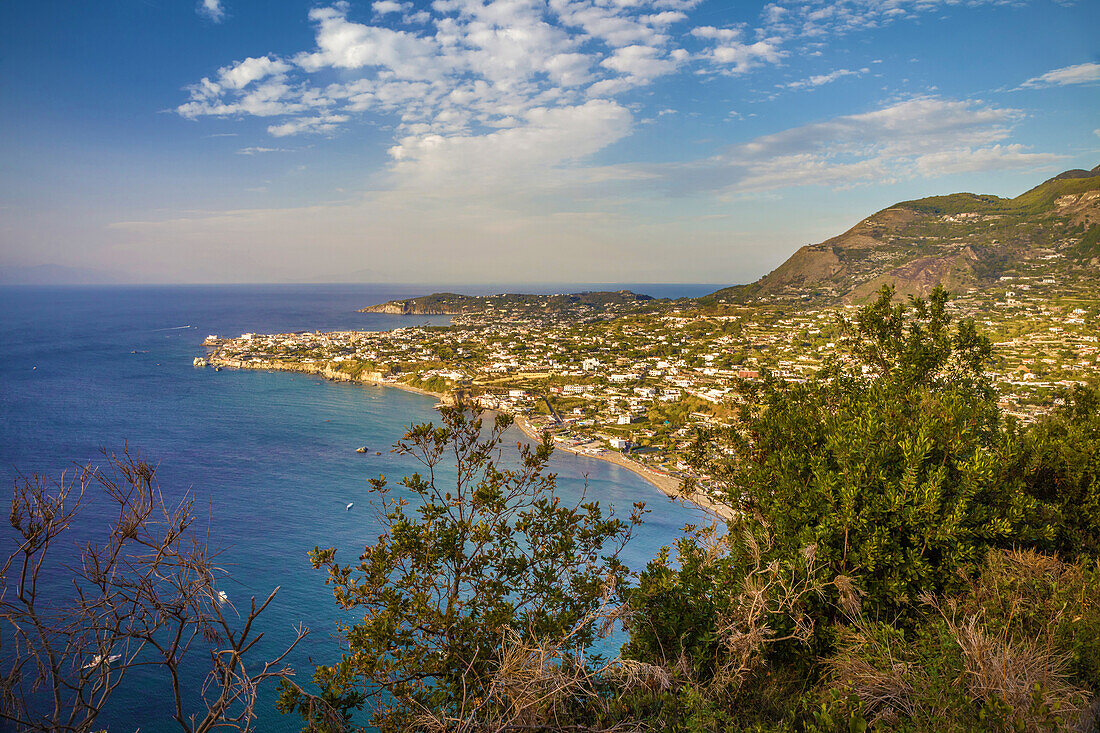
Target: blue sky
{"x": 515, "y": 140}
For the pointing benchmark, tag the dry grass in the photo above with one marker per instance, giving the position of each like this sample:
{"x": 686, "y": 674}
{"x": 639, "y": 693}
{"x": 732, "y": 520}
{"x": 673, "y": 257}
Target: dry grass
{"x": 1028, "y": 674}
{"x": 998, "y": 668}
{"x": 771, "y": 593}
{"x": 872, "y": 667}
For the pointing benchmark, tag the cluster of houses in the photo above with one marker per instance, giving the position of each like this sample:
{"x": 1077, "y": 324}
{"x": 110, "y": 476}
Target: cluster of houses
{"x": 646, "y": 381}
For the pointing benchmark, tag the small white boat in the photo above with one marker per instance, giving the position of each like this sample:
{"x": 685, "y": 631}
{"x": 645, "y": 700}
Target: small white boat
{"x": 98, "y": 660}
{"x": 349, "y": 506}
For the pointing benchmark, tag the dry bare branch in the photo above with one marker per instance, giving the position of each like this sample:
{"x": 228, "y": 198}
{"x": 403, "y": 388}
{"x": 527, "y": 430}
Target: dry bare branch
{"x": 144, "y": 594}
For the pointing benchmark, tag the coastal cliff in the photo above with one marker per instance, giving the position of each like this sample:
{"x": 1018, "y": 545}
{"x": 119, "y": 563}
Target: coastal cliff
{"x": 326, "y": 369}
{"x": 411, "y": 308}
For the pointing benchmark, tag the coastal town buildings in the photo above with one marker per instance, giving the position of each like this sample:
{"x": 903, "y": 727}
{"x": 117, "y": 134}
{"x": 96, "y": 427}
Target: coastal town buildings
{"x": 646, "y": 379}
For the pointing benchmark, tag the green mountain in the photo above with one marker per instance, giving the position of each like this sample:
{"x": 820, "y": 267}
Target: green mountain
{"x": 964, "y": 241}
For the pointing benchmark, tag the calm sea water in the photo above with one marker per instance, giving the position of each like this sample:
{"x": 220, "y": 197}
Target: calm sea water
{"x": 269, "y": 458}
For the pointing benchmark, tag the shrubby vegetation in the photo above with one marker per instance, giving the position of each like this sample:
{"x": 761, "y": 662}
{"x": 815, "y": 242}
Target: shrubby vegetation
{"x": 904, "y": 559}
{"x": 892, "y": 481}
{"x": 482, "y": 597}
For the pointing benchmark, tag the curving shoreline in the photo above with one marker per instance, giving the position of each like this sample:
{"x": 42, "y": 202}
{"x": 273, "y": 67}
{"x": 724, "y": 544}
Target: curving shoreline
{"x": 667, "y": 485}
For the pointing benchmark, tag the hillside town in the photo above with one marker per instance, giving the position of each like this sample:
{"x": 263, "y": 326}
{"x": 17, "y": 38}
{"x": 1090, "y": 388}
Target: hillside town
{"x": 638, "y": 386}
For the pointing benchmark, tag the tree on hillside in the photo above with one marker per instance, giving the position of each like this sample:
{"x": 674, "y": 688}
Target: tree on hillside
{"x": 482, "y": 596}
{"x": 145, "y": 594}
{"x": 867, "y": 493}
{"x": 888, "y": 461}
{"x": 886, "y": 464}
{"x": 912, "y": 345}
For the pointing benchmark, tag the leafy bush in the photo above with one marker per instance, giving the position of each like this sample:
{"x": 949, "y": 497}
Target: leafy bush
{"x": 1058, "y": 462}
{"x": 482, "y": 596}
{"x": 893, "y": 472}
{"x": 888, "y": 462}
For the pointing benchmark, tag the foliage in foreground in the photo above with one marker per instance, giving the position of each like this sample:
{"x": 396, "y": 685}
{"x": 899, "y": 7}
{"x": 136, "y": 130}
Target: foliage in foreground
{"x": 483, "y": 595}
{"x": 904, "y": 560}
{"x": 894, "y": 471}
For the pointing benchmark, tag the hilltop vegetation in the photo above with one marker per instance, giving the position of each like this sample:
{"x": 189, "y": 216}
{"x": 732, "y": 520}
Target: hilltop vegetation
{"x": 964, "y": 241}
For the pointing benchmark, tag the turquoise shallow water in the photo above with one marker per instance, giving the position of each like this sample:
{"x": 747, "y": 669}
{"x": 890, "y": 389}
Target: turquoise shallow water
{"x": 270, "y": 458}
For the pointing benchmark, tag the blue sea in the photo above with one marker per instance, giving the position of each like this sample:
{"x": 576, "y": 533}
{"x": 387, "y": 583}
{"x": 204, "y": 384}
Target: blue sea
{"x": 268, "y": 457}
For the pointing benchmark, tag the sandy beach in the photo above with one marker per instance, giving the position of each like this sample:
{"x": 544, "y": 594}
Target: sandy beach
{"x": 669, "y": 485}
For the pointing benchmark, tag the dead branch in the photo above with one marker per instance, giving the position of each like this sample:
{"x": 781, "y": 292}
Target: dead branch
{"x": 143, "y": 595}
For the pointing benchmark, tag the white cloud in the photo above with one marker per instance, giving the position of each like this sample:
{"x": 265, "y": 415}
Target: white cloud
{"x": 257, "y": 150}
{"x": 385, "y": 7}
{"x": 916, "y": 125}
{"x": 212, "y": 9}
{"x": 611, "y": 22}
{"x": 310, "y": 125}
{"x": 243, "y": 73}
{"x": 822, "y": 79}
{"x": 478, "y": 65}
{"x": 256, "y": 86}
{"x": 1079, "y": 74}
{"x": 925, "y": 137}
{"x": 545, "y": 139}
{"x": 637, "y": 66}
{"x": 731, "y": 55}
{"x": 740, "y": 58}
{"x": 343, "y": 44}
{"x": 991, "y": 158}
{"x": 724, "y": 35}
{"x": 461, "y": 67}
{"x": 664, "y": 18}
{"x": 268, "y": 99}
{"x": 507, "y": 89}
{"x": 821, "y": 18}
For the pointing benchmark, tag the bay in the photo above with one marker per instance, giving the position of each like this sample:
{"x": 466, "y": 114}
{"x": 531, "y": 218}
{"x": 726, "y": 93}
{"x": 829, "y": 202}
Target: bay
{"x": 269, "y": 458}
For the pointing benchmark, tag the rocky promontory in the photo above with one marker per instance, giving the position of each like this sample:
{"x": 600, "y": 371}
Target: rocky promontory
{"x": 573, "y": 305}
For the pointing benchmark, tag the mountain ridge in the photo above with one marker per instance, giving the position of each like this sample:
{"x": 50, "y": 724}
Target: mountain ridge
{"x": 963, "y": 241}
